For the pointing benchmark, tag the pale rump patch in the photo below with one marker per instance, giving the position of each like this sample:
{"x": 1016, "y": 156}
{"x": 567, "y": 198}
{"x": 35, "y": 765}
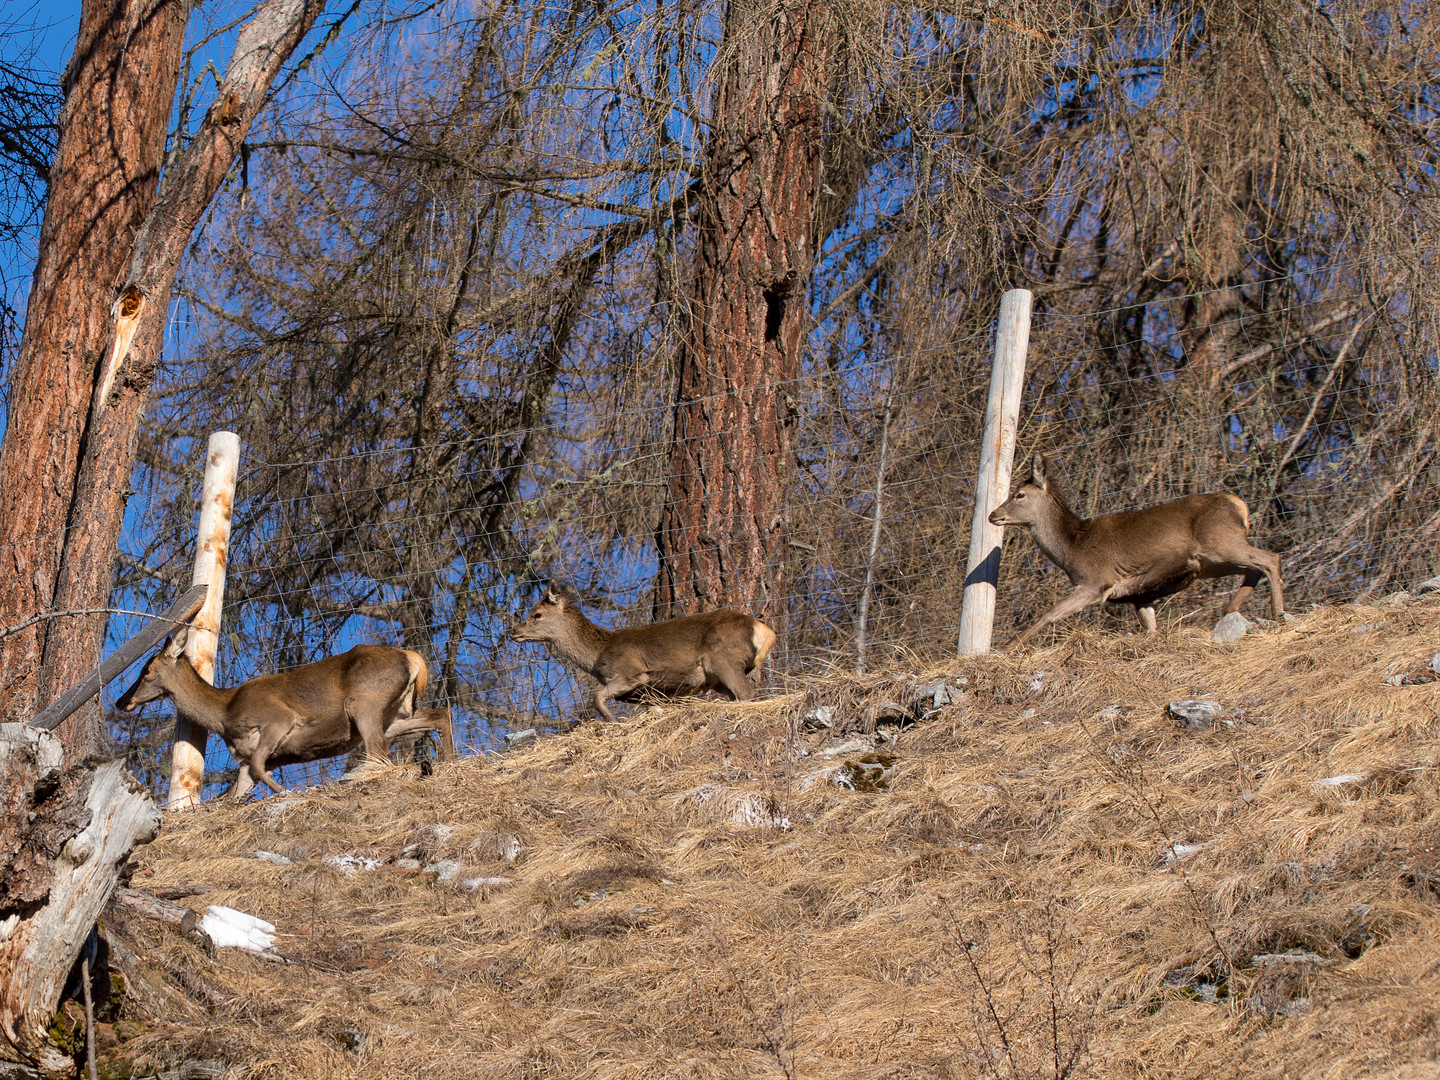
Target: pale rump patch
{"x": 419, "y": 676}
{"x": 763, "y": 639}
{"x": 1244, "y": 510}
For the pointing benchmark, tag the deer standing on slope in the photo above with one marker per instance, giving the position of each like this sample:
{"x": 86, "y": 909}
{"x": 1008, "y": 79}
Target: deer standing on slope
{"x": 1139, "y": 556}
{"x": 713, "y": 651}
{"x": 315, "y": 711}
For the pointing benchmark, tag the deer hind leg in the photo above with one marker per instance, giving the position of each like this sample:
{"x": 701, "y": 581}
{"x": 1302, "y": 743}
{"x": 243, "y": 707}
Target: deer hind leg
{"x": 731, "y": 676}
{"x": 436, "y": 720}
{"x": 1252, "y": 562}
{"x": 1081, "y": 598}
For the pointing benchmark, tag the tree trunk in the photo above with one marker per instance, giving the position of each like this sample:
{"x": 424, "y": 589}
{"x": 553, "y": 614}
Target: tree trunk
{"x": 102, "y": 186}
{"x": 102, "y": 417}
{"x": 64, "y": 837}
{"x": 723, "y": 533}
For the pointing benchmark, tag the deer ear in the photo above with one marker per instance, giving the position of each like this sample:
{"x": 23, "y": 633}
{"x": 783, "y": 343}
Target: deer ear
{"x": 552, "y": 597}
{"x": 1037, "y": 471}
{"x": 176, "y": 645}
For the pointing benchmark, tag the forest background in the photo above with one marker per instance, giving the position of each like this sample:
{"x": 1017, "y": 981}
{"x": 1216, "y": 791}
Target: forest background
{"x": 690, "y": 303}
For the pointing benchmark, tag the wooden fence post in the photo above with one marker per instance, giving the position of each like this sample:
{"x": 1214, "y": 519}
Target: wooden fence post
{"x": 992, "y": 485}
{"x": 217, "y": 503}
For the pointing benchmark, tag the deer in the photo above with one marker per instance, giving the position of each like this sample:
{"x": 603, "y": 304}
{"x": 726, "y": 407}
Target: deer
{"x": 716, "y": 650}
{"x": 1138, "y": 557}
{"x": 366, "y": 695}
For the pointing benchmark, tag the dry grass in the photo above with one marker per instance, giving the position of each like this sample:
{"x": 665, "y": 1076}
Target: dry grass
{"x": 1009, "y": 880}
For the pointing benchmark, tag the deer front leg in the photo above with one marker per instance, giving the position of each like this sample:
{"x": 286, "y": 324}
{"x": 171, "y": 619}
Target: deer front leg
{"x": 618, "y": 684}
{"x": 1147, "y": 616}
{"x": 243, "y": 784}
{"x": 1082, "y": 597}
{"x": 368, "y": 720}
{"x": 258, "y": 770}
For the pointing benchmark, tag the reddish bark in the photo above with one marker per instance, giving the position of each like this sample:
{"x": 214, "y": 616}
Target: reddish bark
{"x": 723, "y": 533}
{"x": 80, "y": 509}
{"x": 102, "y": 186}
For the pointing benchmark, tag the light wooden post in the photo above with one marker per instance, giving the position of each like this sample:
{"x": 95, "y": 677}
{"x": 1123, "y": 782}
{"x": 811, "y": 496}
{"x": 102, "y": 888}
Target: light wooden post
{"x": 992, "y": 485}
{"x": 217, "y": 502}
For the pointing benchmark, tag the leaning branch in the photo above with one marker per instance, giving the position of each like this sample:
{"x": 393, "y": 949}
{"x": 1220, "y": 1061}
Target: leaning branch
{"x": 183, "y": 610}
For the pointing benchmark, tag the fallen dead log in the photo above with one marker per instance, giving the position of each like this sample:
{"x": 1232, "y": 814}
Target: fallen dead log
{"x": 65, "y": 834}
{"x": 153, "y": 907}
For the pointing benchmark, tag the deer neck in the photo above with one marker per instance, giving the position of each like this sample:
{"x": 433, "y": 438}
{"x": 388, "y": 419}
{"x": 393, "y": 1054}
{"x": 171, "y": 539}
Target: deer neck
{"x": 1057, "y": 532}
{"x": 195, "y": 699}
{"x": 582, "y": 643}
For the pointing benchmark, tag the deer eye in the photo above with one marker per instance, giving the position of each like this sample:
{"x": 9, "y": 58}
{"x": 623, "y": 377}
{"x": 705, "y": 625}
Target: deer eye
{"x": 1019, "y": 495}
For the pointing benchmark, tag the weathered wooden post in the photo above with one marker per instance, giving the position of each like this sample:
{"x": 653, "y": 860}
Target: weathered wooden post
{"x": 217, "y": 503}
{"x": 992, "y": 486}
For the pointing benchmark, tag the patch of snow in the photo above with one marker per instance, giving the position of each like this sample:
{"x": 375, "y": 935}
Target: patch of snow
{"x": 232, "y": 929}
{"x": 349, "y": 864}
{"x": 1183, "y": 851}
{"x": 1341, "y": 780}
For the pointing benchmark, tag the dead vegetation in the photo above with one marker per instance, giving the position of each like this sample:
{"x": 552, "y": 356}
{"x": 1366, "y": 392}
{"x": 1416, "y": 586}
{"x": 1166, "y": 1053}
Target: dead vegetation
{"x": 1054, "y": 880}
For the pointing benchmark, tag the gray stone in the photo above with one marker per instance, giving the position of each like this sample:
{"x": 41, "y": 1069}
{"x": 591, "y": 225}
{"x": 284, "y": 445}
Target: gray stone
{"x": 444, "y": 870}
{"x": 514, "y": 740}
{"x": 818, "y": 719}
{"x": 1194, "y": 714}
{"x": 270, "y": 856}
{"x": 1425, "y": 588}
{"x": 937, "y": 696}
{"x": 1230, "y": 628}
{"x": 475, "y": 884}
{"x": 407, "y": 864}
{"x": 1435, "y": 663}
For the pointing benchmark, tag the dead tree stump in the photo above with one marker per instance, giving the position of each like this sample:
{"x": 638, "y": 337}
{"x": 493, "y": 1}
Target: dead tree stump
{"x": 65, "y": 833}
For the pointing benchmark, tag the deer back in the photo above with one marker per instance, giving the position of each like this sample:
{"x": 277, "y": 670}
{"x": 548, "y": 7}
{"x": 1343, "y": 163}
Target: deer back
{"x": 673, "y": 649}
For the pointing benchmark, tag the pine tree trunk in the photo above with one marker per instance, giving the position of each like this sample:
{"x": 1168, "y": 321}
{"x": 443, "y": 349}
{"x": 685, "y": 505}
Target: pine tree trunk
{"x": 723, "y": 534}
{"x": 101, "y": 418}
{"x": 102, "y": 186}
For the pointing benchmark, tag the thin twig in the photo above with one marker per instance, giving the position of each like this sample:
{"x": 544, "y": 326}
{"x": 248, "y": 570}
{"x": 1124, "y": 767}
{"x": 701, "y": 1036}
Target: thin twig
{"x": 89, "y": 1013}
{"x": 80, "y": 611}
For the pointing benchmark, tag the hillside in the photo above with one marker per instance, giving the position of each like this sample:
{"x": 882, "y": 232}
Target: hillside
{"x": 1049, "y": 859}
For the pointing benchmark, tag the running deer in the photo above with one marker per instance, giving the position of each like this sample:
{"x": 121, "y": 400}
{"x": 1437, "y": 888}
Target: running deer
{"x": 316, "y": 711}
{"x": 1140, "y": 556}
{"x": 714, "y": 651}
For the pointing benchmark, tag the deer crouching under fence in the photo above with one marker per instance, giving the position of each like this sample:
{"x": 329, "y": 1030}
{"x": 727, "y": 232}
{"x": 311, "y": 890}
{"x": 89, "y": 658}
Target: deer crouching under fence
{"x": 1140, "y": 556}
{"x": 319, "y": 710}
{"x": 689, "y": 655}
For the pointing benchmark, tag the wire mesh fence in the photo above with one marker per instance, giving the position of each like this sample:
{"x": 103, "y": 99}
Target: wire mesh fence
{"x": 1320, "y": 415}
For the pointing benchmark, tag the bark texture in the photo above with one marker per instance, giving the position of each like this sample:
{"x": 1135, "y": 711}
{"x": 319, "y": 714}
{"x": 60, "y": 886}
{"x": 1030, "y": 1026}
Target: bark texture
{"x": 722, "y": 535}
{"x": 65, "y": 836}
{"x": 78, "y": 514}
{"x": 102, "y": 187}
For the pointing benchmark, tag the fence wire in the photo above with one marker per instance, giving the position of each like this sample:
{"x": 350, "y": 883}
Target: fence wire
{"x": 1327, "y": 434}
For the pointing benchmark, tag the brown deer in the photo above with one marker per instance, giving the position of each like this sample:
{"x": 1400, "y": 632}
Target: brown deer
{"x": 315, "y": 711}
{"x": 1139, "y": 556}
{"x": 713, "y": 651}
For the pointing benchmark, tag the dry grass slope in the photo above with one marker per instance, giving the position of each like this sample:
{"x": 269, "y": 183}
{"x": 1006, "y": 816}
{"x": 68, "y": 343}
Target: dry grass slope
{"x": 1009, "y": 902}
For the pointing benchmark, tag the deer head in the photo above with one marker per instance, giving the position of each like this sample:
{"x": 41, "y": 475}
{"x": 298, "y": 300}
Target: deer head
{"x": 152, "y": 683}
{"x": 1032, "y": 500}
{"x": 547, "y": 620}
